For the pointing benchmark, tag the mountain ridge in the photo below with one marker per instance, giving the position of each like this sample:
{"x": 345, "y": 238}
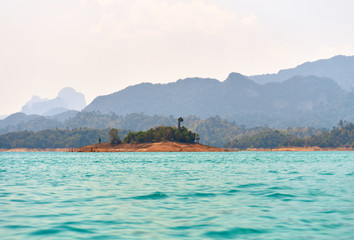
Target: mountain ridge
{"x": 297, "y": 96}
{"x": 297, "y": 101}
{"x": 340, "y": 68}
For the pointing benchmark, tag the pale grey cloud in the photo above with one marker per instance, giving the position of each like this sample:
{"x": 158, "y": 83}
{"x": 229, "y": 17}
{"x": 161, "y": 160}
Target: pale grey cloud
{"x": 155, "y": 17}
{"x": 250, "y": 19}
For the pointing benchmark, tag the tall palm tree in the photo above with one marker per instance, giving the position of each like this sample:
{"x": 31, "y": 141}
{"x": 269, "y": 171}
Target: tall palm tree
{"x": 180, "y": 119}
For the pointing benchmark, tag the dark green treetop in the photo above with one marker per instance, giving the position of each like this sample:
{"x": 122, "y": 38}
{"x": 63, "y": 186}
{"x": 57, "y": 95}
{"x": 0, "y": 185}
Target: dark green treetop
{"x": 113, "y": 136}
{"x": 161, "y": 134}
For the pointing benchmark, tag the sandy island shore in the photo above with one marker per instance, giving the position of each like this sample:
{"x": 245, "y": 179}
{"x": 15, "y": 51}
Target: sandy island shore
{"x": 185, "y": 147}
{"x": 168, "y": 147}
{"x": 150, "y": 147}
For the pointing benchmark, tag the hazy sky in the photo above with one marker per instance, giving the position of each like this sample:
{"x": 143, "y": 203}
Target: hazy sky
{"x": 101, "y": 46}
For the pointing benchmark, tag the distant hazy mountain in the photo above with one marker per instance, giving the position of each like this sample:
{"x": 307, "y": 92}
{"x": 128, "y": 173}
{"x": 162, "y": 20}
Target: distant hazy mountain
{"x": 308, "y": 101}
{"x": 295, "y": 97}
{"x": 61, "y": 117}
{"x": 67, "y": 99}
{"x": 15, "y": 119}
{"x": 338, "y": 68}
{"x": 21, "y": 121}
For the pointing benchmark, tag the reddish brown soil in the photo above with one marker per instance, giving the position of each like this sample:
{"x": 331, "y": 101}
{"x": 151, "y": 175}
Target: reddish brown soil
{"x": 150, "y": 147}
{"x": 165, "y": 147}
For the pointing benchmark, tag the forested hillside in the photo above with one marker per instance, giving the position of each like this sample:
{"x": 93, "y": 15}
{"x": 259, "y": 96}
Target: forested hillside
{"x": 213, "y": 131}
{"x": 340, "y": 136}
{"x": 298, "y": 101}
{"x": 55, "y": 138}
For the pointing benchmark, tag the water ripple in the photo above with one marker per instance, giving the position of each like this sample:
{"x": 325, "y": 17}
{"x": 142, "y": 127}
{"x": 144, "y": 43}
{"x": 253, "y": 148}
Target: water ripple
{"x": 234, "y": 232}
{"x": 244, "y": 195}
{"x": 280, "y": 195}
{"x": 250, "y": 185}
{"x": 50, "y": 231}
{"x": 152, "y": 196}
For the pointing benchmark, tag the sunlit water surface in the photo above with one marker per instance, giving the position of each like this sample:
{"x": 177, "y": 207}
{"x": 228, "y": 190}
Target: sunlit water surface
{"x": 248, "y": 195}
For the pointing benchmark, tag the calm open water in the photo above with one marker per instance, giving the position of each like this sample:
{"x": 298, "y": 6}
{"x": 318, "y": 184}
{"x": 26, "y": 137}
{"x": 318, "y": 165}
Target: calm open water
{"x": 247, "y": 195}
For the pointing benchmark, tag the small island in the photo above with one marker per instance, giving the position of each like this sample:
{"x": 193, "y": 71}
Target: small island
{"x": 158, "y": 139}
{"x": 149, "y": 147}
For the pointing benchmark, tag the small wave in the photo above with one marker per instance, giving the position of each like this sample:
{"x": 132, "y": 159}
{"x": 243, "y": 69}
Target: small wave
{"x": 268, "y": 217}
{"x": 280, "y": 195}
{"x": 46, "y": 231}
{"x": 76, "y": 229}
{"x": 232, "y": 191}
{"x": 329, "y": 211}
{"x": 17, "y": 226}
{"x": 187, "y": 227}
{"x": 350, "y": 174}
{"x": 198, "y": 195}
{"x": 62, "y": 228}
{"x": 331, "y": 226}
{"x": 306, "y": 200}
{"x": 192, "y": 179}
{"x": 234, "y": 232}
{"x": 280, "y": 188}
{"x": 201, "y": 194}
{"x": 318, "y": 192}
{"x": 325, "y": 173}
{"x": 94, "y": 222}
{"x": 152, "y": 196}
{"x": 40, "y": 202}
{"x": 18, "y": 200}
{"x": 5, "y": 194}
{"x": 250, "y": 185}
{"x": 53, "y": 215}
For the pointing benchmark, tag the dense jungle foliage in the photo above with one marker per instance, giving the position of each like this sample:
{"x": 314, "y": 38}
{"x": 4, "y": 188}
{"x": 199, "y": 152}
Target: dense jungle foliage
{"x": 55, "y": 138}
{"x": 340, "y": 136}
{"x": 213, "y": 131}
{"x": 162, "y": 134}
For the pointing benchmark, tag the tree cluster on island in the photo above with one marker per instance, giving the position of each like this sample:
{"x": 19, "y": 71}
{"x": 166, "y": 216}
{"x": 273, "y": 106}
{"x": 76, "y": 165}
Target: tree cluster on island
{"x": 157, "y": 134}
{"x": 162, "y": 134}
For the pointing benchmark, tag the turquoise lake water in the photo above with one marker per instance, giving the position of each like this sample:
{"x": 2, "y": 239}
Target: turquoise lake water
{"x": 242, "y": 195}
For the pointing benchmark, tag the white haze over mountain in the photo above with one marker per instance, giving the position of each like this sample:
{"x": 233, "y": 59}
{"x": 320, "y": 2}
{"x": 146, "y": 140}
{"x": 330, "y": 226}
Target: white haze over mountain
{"x": 67, "y": 99}
{"x": 102, "y": 46}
